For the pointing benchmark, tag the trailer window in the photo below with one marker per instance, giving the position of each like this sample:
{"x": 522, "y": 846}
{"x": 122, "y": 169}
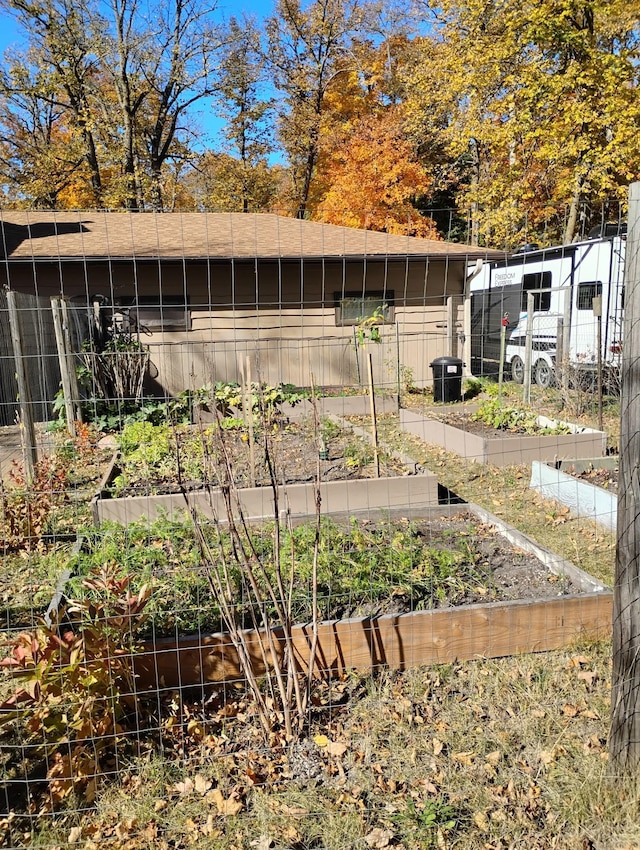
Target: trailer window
{"x": 586, "y": 293}
{"x": 537, "y": 280}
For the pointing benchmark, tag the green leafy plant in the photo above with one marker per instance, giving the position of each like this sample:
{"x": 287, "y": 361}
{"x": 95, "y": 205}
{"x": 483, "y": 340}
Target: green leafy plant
{"x": 329, "y": 429}
{"x": 473, "y": 387}
{"x": 266, "y": 400}
{"x": 427, "y": 822}
{"x": 519, "y": 420}
{"x": 145, "y": 441}
{"x": 368, "y": 330}
{"x": 358, "y": 565}
{"x": 76, "y": 693}
{"x": 358, "y": 455}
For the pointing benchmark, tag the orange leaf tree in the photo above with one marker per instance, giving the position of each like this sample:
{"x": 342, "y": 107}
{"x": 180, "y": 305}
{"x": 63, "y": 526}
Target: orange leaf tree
{"x": 370, "y": 177}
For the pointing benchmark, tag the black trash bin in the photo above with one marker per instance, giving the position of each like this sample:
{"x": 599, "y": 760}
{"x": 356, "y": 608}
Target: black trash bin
{"x": 447, "y": 379}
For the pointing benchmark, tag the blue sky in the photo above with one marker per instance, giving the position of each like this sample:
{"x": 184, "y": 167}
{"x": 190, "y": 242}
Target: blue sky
{"x": 11, "y": 37}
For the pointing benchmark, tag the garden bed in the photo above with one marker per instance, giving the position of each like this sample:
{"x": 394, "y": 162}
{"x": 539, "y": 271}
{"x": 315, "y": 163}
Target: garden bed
{"x": 576, "y": 484}
{"x": 347, "y": 470}
{"x": 476, "y": 442}
{"x": 539, "y": 602}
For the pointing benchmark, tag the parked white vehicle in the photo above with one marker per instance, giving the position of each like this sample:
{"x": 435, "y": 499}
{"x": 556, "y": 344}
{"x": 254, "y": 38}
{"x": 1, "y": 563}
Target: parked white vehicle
{"x": 564, "y": 282}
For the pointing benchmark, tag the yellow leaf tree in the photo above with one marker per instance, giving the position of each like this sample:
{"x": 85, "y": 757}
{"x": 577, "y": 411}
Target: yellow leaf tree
{"x": 539, "y": 100}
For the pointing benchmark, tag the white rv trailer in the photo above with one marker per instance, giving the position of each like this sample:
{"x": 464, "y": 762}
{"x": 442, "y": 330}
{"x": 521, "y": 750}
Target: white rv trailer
{"x": 564, "y": 281}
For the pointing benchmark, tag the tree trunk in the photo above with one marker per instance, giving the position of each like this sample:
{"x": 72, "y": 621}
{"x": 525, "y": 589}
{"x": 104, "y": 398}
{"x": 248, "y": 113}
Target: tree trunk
{"x": 306, "y": 184}
{"x": 155, "y": 188}
{"x": 92, "y": 161}
{"x": 572, "y": 220}
{"x": 129, "y": 165}
{"x": 624, "y": 739}
{"x": 474, "y": 228}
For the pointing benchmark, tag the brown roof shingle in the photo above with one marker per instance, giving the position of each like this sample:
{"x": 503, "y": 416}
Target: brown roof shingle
{"x": 117, "y": 235}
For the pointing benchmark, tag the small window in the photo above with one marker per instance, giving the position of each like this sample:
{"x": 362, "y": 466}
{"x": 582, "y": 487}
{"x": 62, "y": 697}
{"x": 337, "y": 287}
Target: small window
{"x": 153, "y": 314}
{"x": 541, "y": 300}
{"x": 354, "y": 307}
{"x": 586, "y": 293}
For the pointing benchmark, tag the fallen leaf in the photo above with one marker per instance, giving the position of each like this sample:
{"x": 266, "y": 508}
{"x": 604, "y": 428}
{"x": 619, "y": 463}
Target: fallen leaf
{"x": 209, "y": 829}
{"x": 570, "y": 710}
{"x": 578, "y": 660}
{"x": 464, "y": 758}
{"x": 379, "y": 837}
{"x": 195, "y": 729}
{"x": 438, "y": 746}
{"x": 336, "y": 748}
{"x": 588, "y": 676}
{"x": 481, "y": 821}
{"x": 294, "y": 811}
{"x": 230, "y": 806}
{"x": 202, "y": 784}
{"x": 124, "y": 828}
{"x": 493, "y": 757}
{"x": 75, "y": 835}
{"x": 183, "y": 788}
{"x": 321, "y": 740}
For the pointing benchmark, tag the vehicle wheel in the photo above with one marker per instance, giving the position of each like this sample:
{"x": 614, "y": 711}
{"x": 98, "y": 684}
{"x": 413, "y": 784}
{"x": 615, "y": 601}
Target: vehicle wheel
{"x": 517, "y": 370}
{"x": 543, "y": 374}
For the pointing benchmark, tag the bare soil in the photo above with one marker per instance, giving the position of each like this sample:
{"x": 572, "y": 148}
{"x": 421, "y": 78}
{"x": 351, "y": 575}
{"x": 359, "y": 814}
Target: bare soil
{"x": 295, "y": 452}
{"x": 367, "y": 569}
{"x": 605, "y": 478}
{"x": 496, "y": 571}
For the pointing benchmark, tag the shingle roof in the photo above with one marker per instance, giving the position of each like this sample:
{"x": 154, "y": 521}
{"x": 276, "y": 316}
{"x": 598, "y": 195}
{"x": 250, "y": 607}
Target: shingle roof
{"x": 125, "y": 235}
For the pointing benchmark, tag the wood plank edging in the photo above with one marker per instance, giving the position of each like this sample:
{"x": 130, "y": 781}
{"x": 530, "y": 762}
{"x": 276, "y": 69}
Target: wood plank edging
{"x": 394, "y": 641}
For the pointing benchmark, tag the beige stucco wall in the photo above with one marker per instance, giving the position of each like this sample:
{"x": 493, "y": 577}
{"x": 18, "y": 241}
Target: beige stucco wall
{"x": 283, "y": 347}
{"x": 278, "y": 313}
{"x": 292, "y": 335}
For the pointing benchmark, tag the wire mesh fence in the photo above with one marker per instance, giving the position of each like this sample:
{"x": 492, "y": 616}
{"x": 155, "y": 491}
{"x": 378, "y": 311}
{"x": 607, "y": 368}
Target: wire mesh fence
{"x": 266, "y": 502}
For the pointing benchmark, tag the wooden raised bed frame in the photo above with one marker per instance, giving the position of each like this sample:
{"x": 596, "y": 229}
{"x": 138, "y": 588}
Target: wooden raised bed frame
{"x": 511, "y": 449}
{"x": 352, "y": 496}
{"x": 403, "y": 640}
{"x": 418, "y": 489}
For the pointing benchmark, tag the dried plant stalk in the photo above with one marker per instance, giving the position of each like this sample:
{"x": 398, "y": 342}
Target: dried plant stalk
{"x": 268, "y": 593}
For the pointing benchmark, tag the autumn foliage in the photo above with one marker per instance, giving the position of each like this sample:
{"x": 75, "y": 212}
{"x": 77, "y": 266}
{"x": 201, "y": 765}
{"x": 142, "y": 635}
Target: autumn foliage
{"x": 371, "y": 177}
{"x": 520, "y": 117}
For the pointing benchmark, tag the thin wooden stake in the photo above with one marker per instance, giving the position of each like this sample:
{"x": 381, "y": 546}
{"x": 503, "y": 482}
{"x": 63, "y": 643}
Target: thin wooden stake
{"x": 526, "y": 384}
{"x": 356, "y": 347}
{"x": 452, "y": 342}
{"x": 63, "y": 362}
{"x": 374, "y": 425}
{"x": 27, "y": 428}
{"x": 252, "y": 444}
{"x": 503, "y": 342}
{"x": 73, "y": 375}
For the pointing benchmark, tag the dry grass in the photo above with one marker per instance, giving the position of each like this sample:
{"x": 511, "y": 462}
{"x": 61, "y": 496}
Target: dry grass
{"x": 488, "y": 754}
